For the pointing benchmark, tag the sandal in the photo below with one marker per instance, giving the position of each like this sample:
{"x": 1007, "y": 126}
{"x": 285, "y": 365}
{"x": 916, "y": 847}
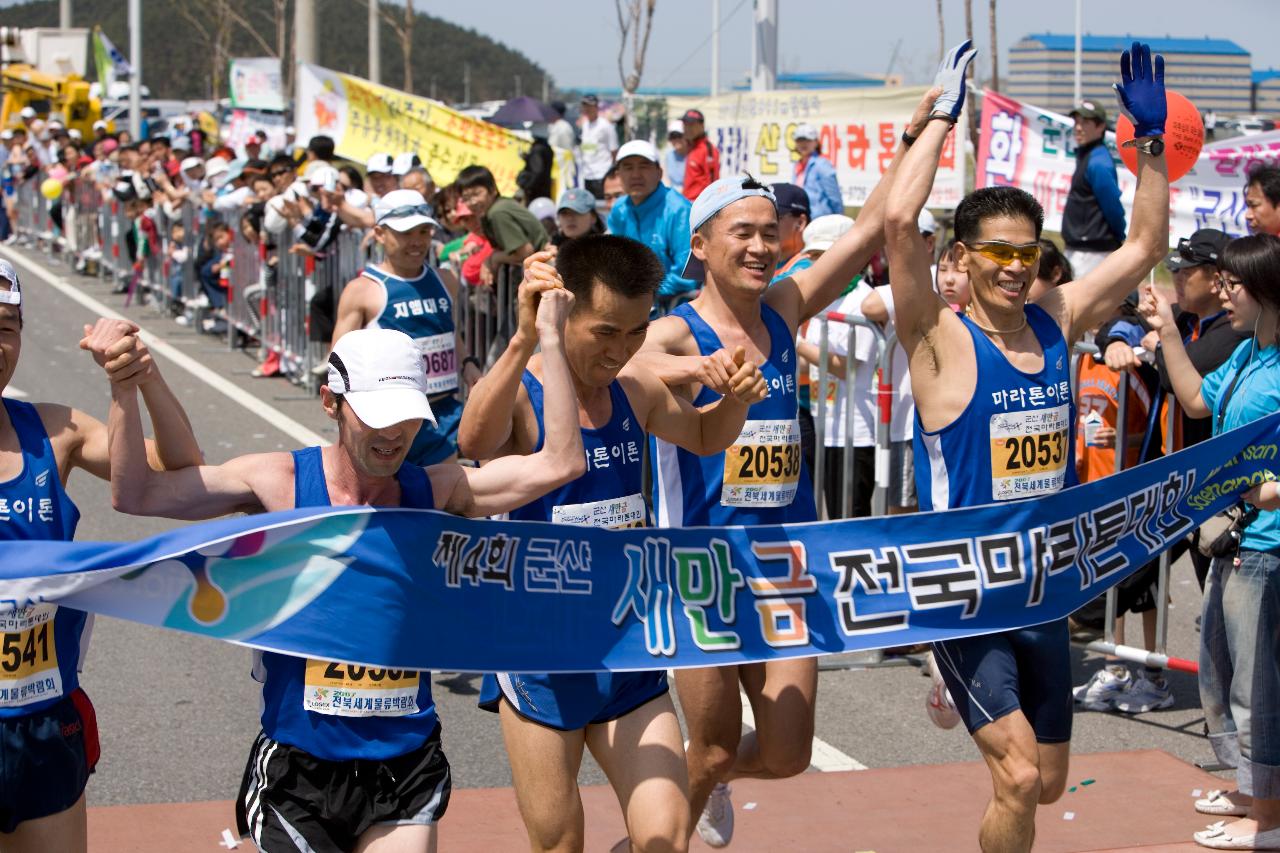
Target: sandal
{"x": 1218, "y": 803}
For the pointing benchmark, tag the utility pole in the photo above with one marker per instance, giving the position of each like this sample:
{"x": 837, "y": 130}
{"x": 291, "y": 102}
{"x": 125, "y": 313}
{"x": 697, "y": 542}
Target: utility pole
{"x": 64, "y": 14}
{"x": 466, "y": 82}
{"x": 764, "y": 47}
{"x": 304, "y": 32}
{"x": 715, "y": 47}
{"x": 519, "y": 86}
{"x": 546, "y": 89}
{"x": 433, "y": 88}
{"x": 135, "y": 69}
{"x": 375, "y": 46}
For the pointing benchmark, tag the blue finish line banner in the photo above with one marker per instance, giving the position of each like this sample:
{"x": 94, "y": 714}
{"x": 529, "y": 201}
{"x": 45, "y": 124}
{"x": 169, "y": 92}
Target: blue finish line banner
{"x": 415, "y": 589}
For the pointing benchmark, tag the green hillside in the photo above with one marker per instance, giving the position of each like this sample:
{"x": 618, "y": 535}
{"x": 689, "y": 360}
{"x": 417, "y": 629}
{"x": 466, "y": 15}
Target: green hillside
{"x": 180, "y": 61}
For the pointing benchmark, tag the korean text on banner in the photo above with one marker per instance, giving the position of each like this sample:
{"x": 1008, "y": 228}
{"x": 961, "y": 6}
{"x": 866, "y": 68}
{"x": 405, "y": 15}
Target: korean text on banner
{"x": 406, "y": 589}
{"x": 1027, "y": 147}
{"x": 365, "y": 118}
{"x": 859, "y": 131}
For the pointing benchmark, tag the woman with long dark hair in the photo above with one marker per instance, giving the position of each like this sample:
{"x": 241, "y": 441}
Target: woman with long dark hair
{"x": 1240, "y": 623}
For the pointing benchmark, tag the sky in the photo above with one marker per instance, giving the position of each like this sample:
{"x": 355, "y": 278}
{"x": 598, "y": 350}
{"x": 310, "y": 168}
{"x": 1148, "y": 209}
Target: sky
{"x": 577, "y": 40}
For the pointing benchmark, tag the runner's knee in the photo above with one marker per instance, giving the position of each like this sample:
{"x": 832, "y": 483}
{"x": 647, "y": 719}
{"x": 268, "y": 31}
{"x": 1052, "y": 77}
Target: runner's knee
{"x": 1018, "y": 780}
{"x": 791, "y": 760}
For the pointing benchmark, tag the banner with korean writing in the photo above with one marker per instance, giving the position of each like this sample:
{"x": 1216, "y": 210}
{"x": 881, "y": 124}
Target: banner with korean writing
{"x": 1024, "y": 146}
{"x": 255, "y": 84}
{"x": 364, "y": 119}
{"x": 417, "y": 589}
{"x": 859, "y": 130}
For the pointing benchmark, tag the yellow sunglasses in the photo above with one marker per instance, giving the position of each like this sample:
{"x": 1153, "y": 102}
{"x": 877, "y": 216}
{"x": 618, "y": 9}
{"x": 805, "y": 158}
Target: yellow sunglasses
{"x": 1005, "y": 253}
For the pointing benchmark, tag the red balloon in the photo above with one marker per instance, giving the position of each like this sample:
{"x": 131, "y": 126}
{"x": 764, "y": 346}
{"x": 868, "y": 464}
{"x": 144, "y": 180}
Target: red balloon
{"x": 1183, "y": 136}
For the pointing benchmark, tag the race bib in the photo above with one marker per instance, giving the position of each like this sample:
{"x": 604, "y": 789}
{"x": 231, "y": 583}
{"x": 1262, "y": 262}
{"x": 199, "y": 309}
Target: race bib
{"x": 351, "y": 690}
{"x": 440, "y": 358}
{"x": 762, "y": 468}
{"x": 612, "y": 514}
{"x": 28, "y": 657}
{"x": 1028, "y": 452}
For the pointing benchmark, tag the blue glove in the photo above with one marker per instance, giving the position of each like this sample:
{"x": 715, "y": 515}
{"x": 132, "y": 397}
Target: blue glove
{"x": 950, "y": 78}
{"x": 1141, "y": 90}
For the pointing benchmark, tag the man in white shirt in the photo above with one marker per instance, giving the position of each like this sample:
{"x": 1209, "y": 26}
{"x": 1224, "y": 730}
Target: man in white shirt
{"x": 599, "y": 144}
{"x": 561, "y": 134}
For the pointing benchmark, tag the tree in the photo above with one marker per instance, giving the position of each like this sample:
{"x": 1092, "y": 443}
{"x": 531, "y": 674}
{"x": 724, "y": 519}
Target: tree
{"x": 214, "y": 21}
{"x": 635, "y": 17}
{"x": 403, "y": 29}
{"x": 995, "y": 48}
{"x": 942, "y": 35}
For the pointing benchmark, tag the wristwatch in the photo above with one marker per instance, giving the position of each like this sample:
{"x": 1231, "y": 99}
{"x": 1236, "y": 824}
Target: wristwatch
{"x": 1153, "y": 145}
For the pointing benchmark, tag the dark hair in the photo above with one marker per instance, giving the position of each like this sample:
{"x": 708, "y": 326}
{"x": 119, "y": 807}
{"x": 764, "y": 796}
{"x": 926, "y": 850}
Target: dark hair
{"x": 612, "y": 173}
{"x": 990, "y": 202}
{"x": 1268, "y": 180}
{"x": 625, "y": 266}
{"x": 950, "y": 253}
{"x": 282, "y": 160}
{"x": 476, "y": 176}
{"x": 1054, "y": 262}
{"x": 353, "y": 175}
{"x": 1256, "y": 260}
{"x": 322, "y": 147}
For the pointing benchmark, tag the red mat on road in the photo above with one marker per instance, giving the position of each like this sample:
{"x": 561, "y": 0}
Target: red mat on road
{"x": 1137, "y": 801}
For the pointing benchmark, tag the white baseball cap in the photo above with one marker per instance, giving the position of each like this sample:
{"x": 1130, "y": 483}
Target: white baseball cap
{"x": 926, "y": 223}
{"x": 27, "y": 112}
{"x": 806, "y": 131}
{"x": 403, "y": 163}
{"x": 380, "y": 372}
{"x": 192, "y": 162}
{"x": 822, "y": 233}
{"x": 378, "y": 164}
{"x": 99, "y": 125}
{"x": 638, "y": 148}
{"x": 215, "y": 166}
{"x": 403, "y": 210}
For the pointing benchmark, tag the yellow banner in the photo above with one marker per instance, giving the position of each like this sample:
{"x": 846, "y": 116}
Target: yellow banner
{"x": 366, "y": 119}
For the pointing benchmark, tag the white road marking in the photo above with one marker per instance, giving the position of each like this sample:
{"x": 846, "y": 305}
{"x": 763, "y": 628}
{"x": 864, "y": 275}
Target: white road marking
{"x": 14, "y": 393}
{"x": 824, "y": 756}
{"x": 255, "y": 405}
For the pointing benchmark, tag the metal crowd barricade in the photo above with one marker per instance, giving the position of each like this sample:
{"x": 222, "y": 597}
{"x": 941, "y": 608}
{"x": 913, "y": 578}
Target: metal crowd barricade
{"x": 485, "y": 315}
{"x": 884, "y": 393}
{"x": 1159, "y": 656}
{"x": 87, "y": 203}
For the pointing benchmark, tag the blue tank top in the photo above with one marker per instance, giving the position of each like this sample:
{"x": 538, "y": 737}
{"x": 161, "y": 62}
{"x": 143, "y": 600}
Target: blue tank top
{"x": 422, "y": 309}
{"x": 609, "y": 493}
{"x": 762, "y": 478}
{"x": 341, "y": 712}
{"x": 41, "y": 644}
{"x": 1015, "y": 439}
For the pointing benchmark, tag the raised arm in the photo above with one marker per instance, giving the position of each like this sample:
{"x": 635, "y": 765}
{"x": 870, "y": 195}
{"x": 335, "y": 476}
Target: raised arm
{"x": 1183, "y": 376}
{"x": 805, "y": 293}
{"x": 495, "y": 404}
{"x": 710, "y": 429}
{"x": 1083, "y": 304}
{"x": 509, "y": 482}
{"x": 355, "y": 307}
{"x": 117, "y": 347}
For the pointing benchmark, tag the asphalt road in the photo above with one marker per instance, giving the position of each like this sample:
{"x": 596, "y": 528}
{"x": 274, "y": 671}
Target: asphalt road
{"x": 178, "y": 713}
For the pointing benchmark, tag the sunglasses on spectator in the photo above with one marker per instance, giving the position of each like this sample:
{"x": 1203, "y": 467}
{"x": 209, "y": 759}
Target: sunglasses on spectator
{"x": 406, "y": 210}
{"x": 1005, "y": 254}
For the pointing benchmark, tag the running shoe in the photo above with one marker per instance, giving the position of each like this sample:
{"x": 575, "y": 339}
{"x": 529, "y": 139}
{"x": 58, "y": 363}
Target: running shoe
{"x": 938, "y": 704}
{"x": 1097, "y": 693}
{"x": 1146, "y": 693}
{"x": 716, "y": 824}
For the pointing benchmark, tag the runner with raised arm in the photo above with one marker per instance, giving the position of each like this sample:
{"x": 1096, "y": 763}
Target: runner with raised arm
{"x": 734, "y": 250}
{"x": 996, "y": 419}
{"x": 325, "y": 775}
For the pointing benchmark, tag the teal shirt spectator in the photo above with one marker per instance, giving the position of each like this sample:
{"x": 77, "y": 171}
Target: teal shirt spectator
{"x": 1256, "y": 395}
{"x": 661, "y": 222}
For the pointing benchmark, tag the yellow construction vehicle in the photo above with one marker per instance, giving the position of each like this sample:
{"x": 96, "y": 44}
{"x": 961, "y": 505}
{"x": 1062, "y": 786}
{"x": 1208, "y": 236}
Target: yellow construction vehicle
{"x": 43, "y": 68}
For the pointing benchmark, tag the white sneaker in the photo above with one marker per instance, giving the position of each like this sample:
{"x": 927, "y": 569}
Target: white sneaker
{"x": 198, "y": 301}
{"x": 939, "y": 705}
{"x": 716, "y": 823}
{"x": 1144, "y": 694}
{"x": 182, "y": 320}
{"x": 1097, "y": 693}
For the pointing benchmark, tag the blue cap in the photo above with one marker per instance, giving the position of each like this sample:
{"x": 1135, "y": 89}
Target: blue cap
{"x": 715, "y": 198}
{"x": 578, "y": 200}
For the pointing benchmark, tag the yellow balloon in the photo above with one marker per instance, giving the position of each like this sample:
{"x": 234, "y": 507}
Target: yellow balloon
{"x": 51, "y": 188}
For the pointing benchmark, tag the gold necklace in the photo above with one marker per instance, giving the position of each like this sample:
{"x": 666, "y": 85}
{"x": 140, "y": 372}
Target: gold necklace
{"x": 992, "y": 331}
